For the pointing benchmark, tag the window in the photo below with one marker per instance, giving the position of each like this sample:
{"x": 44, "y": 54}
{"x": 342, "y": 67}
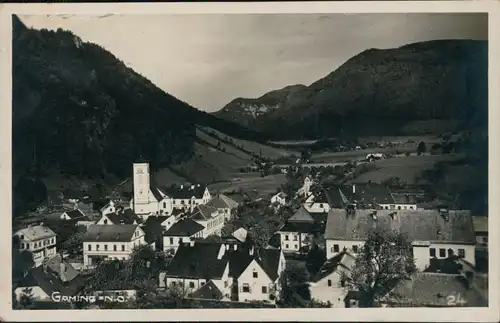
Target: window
{"x": 264, "y": 289}
{"x": 411, "y": 207}
{"x": 164, "y": 205}
{"x": 432, "y": 252}
{"x": 202, "y": 283}
{"x": 342, "y": 282}
{"x": 321, "y": 205}
{"x": 286, "y": 246}
{"x": 191, "y": 284}
{"x": 114, "y": 247}
{"x": 355, "y": 249}
{"x": 442, "y": 252}
{"x": 27, "y": 246}
{"x": 255, "y": 274}
{"x": 105, "y": 221}
{"x": 97, "y": 247}
{"x": 461, "y": 253}
{"x": 294, "y": 238}
{"x": 246, "y": 288}
{"x": 485, "y": 240}
{"x": 105, "y": 247}
{"x": 22, "y": 236}
{"x": 225, "y": 284}
{"x": 123, "y": 247}
{"x": 22, "y": 245}
{"x": 399, "y": 207}
{"x": 173, "y": 284}
{"x": 180, "y": 240}
{"x": 450, "y": 252}
{"x": 171, "y": 240}
{"x": 336, "y": 248}
{"x": 90, "y": 247}
{"x": 286, "y": 237}
{"x": 329, "y": 282}
{"x": 295, "y": 246}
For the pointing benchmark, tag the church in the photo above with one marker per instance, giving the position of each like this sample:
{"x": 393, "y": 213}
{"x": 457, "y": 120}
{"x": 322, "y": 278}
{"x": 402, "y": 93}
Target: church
{"x": 150, "y": 199}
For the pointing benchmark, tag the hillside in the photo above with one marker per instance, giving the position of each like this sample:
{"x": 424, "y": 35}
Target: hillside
{"x": 79, "y": 113}
{"x": 429, "y": 87}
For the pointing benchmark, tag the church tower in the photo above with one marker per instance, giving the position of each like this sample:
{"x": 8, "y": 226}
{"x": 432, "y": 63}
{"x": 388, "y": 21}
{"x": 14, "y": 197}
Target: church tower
{"x": 141, "y": 184}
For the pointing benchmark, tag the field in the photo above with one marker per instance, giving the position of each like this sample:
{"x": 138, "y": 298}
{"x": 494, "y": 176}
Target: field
{"x": 406, "y": 168}
{"x": 247, "y": 182}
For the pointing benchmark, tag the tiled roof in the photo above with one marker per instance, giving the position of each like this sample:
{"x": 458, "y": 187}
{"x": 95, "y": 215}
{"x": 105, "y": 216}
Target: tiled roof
{"x": 203, "y": 212}
{"x": 480, "y": 223}
{"x": 152, "y": 232}
{"x": 229, "y": 201}
{"x": 185, "y": 228}
{"x": 304, "y": 227}
{"x": 319, "y": 217}
{"x": 268, "y": 260}
{"x": 155, "y": 220}
{"x": 418, "y": 225}
{"x": 302, "y": 215}
{"x": 198, "y": 261}
{"x": 184, "y": 192}
{"x": 431, "y": 289}
{"x": 207, "y": 291}
{"x": 37, "y": 232}
{"x": 126, "y": 217}
{"x": 64, "y": 270}
{"x": 222, "y": 201}
{"x": 403, "y": 198}
{"x": 344, "y": 259}
{"x": 241, "y": 234}
{"x": 110, "y": 233}
{"x": 339, "y": 196}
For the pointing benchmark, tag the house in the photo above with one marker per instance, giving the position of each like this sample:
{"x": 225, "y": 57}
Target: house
{"x": 279, "y": 199}
{"x": 317, "y": 202}
{"x": 433, "y": 233}
{"x": 367, "y": 196}
{"x": 149, "y": 198}
{"x": 108, "y": 242}
{"x": 54, "y": 277}
{"x": 375, "y": 156}
{"x": 209, "y": 217}
{"x": 122, "y": 217}
{"x": 242, "y": 274}
{"x": 225, "y": 205}
{"x": 110, "y": 207}
{"x": 183, "y": 231}
{"x": 299, "y": 231}
{"x": 163, "y": 221}
{"x": 208, "y": 291}
{"x": 329, "y": 285}
{"x": 305, "y": 190}
{"x": 40, "y": 240}
{"x": 436, "y": 290}
{"x": 72, "y": 215}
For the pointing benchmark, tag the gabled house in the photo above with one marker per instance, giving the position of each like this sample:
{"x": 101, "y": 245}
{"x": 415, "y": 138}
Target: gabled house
{"x": 225, "y": 205}
{"x": 163, "y": 221}
{"x": 122, "y": 217}
{"x": 305, "y": 190}
{"x": 108, "y": 242}
{"x": 317, "y": 202}
{"x": 183, "y": 231}
{"x": 39, "y": 239}
{"x": 110, "y": 207}
{"x": 329, "y": 285}
{"x": 279, "y": 199}
{"x": 72, "y": 215}
{"x": 299, "y": 231}
{"x": 54, "y": 276}
{"x": 433, "y": 233}
{"x": 209, "y": 217}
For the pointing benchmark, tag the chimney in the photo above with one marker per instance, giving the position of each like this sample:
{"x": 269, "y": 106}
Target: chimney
{"x": 182, "y": 186}
{"x": 250, "y": 251}
{"x": 353, "y": 188}
{"x": 191, "y": 243}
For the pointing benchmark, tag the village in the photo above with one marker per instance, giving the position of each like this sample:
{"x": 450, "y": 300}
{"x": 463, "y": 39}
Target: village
{"x": 189, "y": 245}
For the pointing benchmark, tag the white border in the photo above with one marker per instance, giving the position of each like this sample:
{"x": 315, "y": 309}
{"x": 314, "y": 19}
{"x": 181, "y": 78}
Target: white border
{"x": 490, "y": 314}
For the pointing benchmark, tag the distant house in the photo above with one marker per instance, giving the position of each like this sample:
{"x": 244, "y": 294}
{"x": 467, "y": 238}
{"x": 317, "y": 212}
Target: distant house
{"x": 209, "y": 217}
{"x": 436, "y": 290}
{"x": 239, "y": 274}
{"x": 108, "y": 242}
{"x": 225, "y": 205}
{"x": 150, "y": 199}
{"x": 279, "y": 199}
{"x": 72, "y": 215}
{"x": 40, "y": 240}
{"x": 305, "y": 190}
{"x": 317, "y": 203}
{"x": 123, "y": 217}
{"x": 299, "y": 232}
{"x": 375, "y": 156}
{"x": 183, "y": 231}
{"x": 328, "y": 285}
{"x": 54, "y": 277}
{"x": 433, "y": 233}
{"x": 110, "y": 207}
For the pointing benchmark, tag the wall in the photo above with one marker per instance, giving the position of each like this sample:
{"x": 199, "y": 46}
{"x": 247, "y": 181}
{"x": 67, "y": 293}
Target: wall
{"x": 120, "y": 253}
{"x": 422, "y": 253}
{"x": 255, "y": 284}
{"x": 45, "y": 248}
{"x": 167, "y": 246}
{"x": 334, "y": 294}
{"x": 317, "y": 207}
{"x": 295, "y": 245}
{"x": 341, "y": 243}
{"x": 108, "y": 209}
{"x": 399, "y": 206}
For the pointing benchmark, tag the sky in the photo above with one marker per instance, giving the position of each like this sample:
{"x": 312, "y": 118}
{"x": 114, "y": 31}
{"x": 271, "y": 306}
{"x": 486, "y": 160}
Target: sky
{"x": 209, "y": 60}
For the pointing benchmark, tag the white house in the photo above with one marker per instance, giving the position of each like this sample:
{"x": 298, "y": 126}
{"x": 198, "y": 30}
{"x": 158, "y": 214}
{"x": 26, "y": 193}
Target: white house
{"x": 108, "y": 242}
{"x": 299, "y": 232}
{"x": 181, "y": 232}
{"x": 108, "y": 208}
{"x": 72, "y": 215}
{"x": 279, "y": 199}
{"x": 208, "y": 217}
{"x": 329, "y": 284}
{"x": 240, "y": 273}
{"x": 434, "y": 233}
{"x": 225, "y": 205}
{"x": 150, "y": 199}
{"x": 55, "y": 275}
{"x": 40, "y": 240}
{"x": 317, "y": 203}
{"x": 305, "y": 190}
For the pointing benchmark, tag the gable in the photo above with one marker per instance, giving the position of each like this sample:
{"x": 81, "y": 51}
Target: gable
{"x": 253, "y": 266}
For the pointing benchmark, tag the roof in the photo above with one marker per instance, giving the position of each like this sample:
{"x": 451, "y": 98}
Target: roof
{"x": 156, "y": 220}
{"x": 222, "y": 201}
{"x": 404, "y": 198}
{"x": 304, "y": 227}
{"x": 184, "y": 228}
{"x": 280, "y": 194}
{"x": 480, "y": 223}
{"x": 203, "y": 212}
{"x": 198, "y": 261}
{"x": 344, "y": 260}
{"x": 75, "y": 214}
{"x": 431, "y": 289}
{"x": 302, "y": 215}
{"x": 126, "y": 217}
{"x": 152, "y": 233}
{"x": 241, "y": 234}
{"x": 37, "y": 232}
{"x": 339, "y": 196}
{"x": 319, "y": 217}
{"x": 418, "y": 225}
{"x": 64, "y": 269}
{"x": 110, "y": 233}
{"x": 52, "y": 280}
{"x": 240, "y": 259}
{"x": 207, "y": 291}
{"x": 184, "y": 191}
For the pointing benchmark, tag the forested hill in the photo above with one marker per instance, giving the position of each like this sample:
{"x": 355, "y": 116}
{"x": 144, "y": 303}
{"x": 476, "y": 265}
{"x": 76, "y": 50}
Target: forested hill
{"x": 80, "y": 110}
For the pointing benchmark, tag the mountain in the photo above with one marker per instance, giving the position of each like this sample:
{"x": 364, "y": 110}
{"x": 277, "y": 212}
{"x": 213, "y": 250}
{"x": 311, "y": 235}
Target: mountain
{"x": 80, "y": 112}
{"x": 428, "y": 87}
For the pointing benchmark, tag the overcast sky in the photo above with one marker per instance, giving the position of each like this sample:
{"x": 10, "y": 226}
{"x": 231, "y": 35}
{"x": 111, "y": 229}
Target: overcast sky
{"x": 209, "y": 60}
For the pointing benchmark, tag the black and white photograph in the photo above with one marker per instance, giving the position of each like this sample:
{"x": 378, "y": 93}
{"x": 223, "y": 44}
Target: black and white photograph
{"x": 249, "y": 161}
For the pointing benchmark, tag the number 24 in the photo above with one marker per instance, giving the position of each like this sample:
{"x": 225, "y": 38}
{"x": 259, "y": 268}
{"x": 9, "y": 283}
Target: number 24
{"x": 454, "y": 300}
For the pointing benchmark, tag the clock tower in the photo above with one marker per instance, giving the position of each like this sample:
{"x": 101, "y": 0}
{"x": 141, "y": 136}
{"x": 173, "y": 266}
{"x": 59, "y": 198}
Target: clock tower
{"x": 141, "y": 184}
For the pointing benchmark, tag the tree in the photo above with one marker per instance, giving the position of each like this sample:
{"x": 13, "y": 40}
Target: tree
{"x": 385, "y": 259}
{"x": 422, "y": 148}
{"x": 294, "y": 287}
{"x": 316, "y": 257}
{"x": 74, "y": 241}
{"x": 26, "y": 300}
